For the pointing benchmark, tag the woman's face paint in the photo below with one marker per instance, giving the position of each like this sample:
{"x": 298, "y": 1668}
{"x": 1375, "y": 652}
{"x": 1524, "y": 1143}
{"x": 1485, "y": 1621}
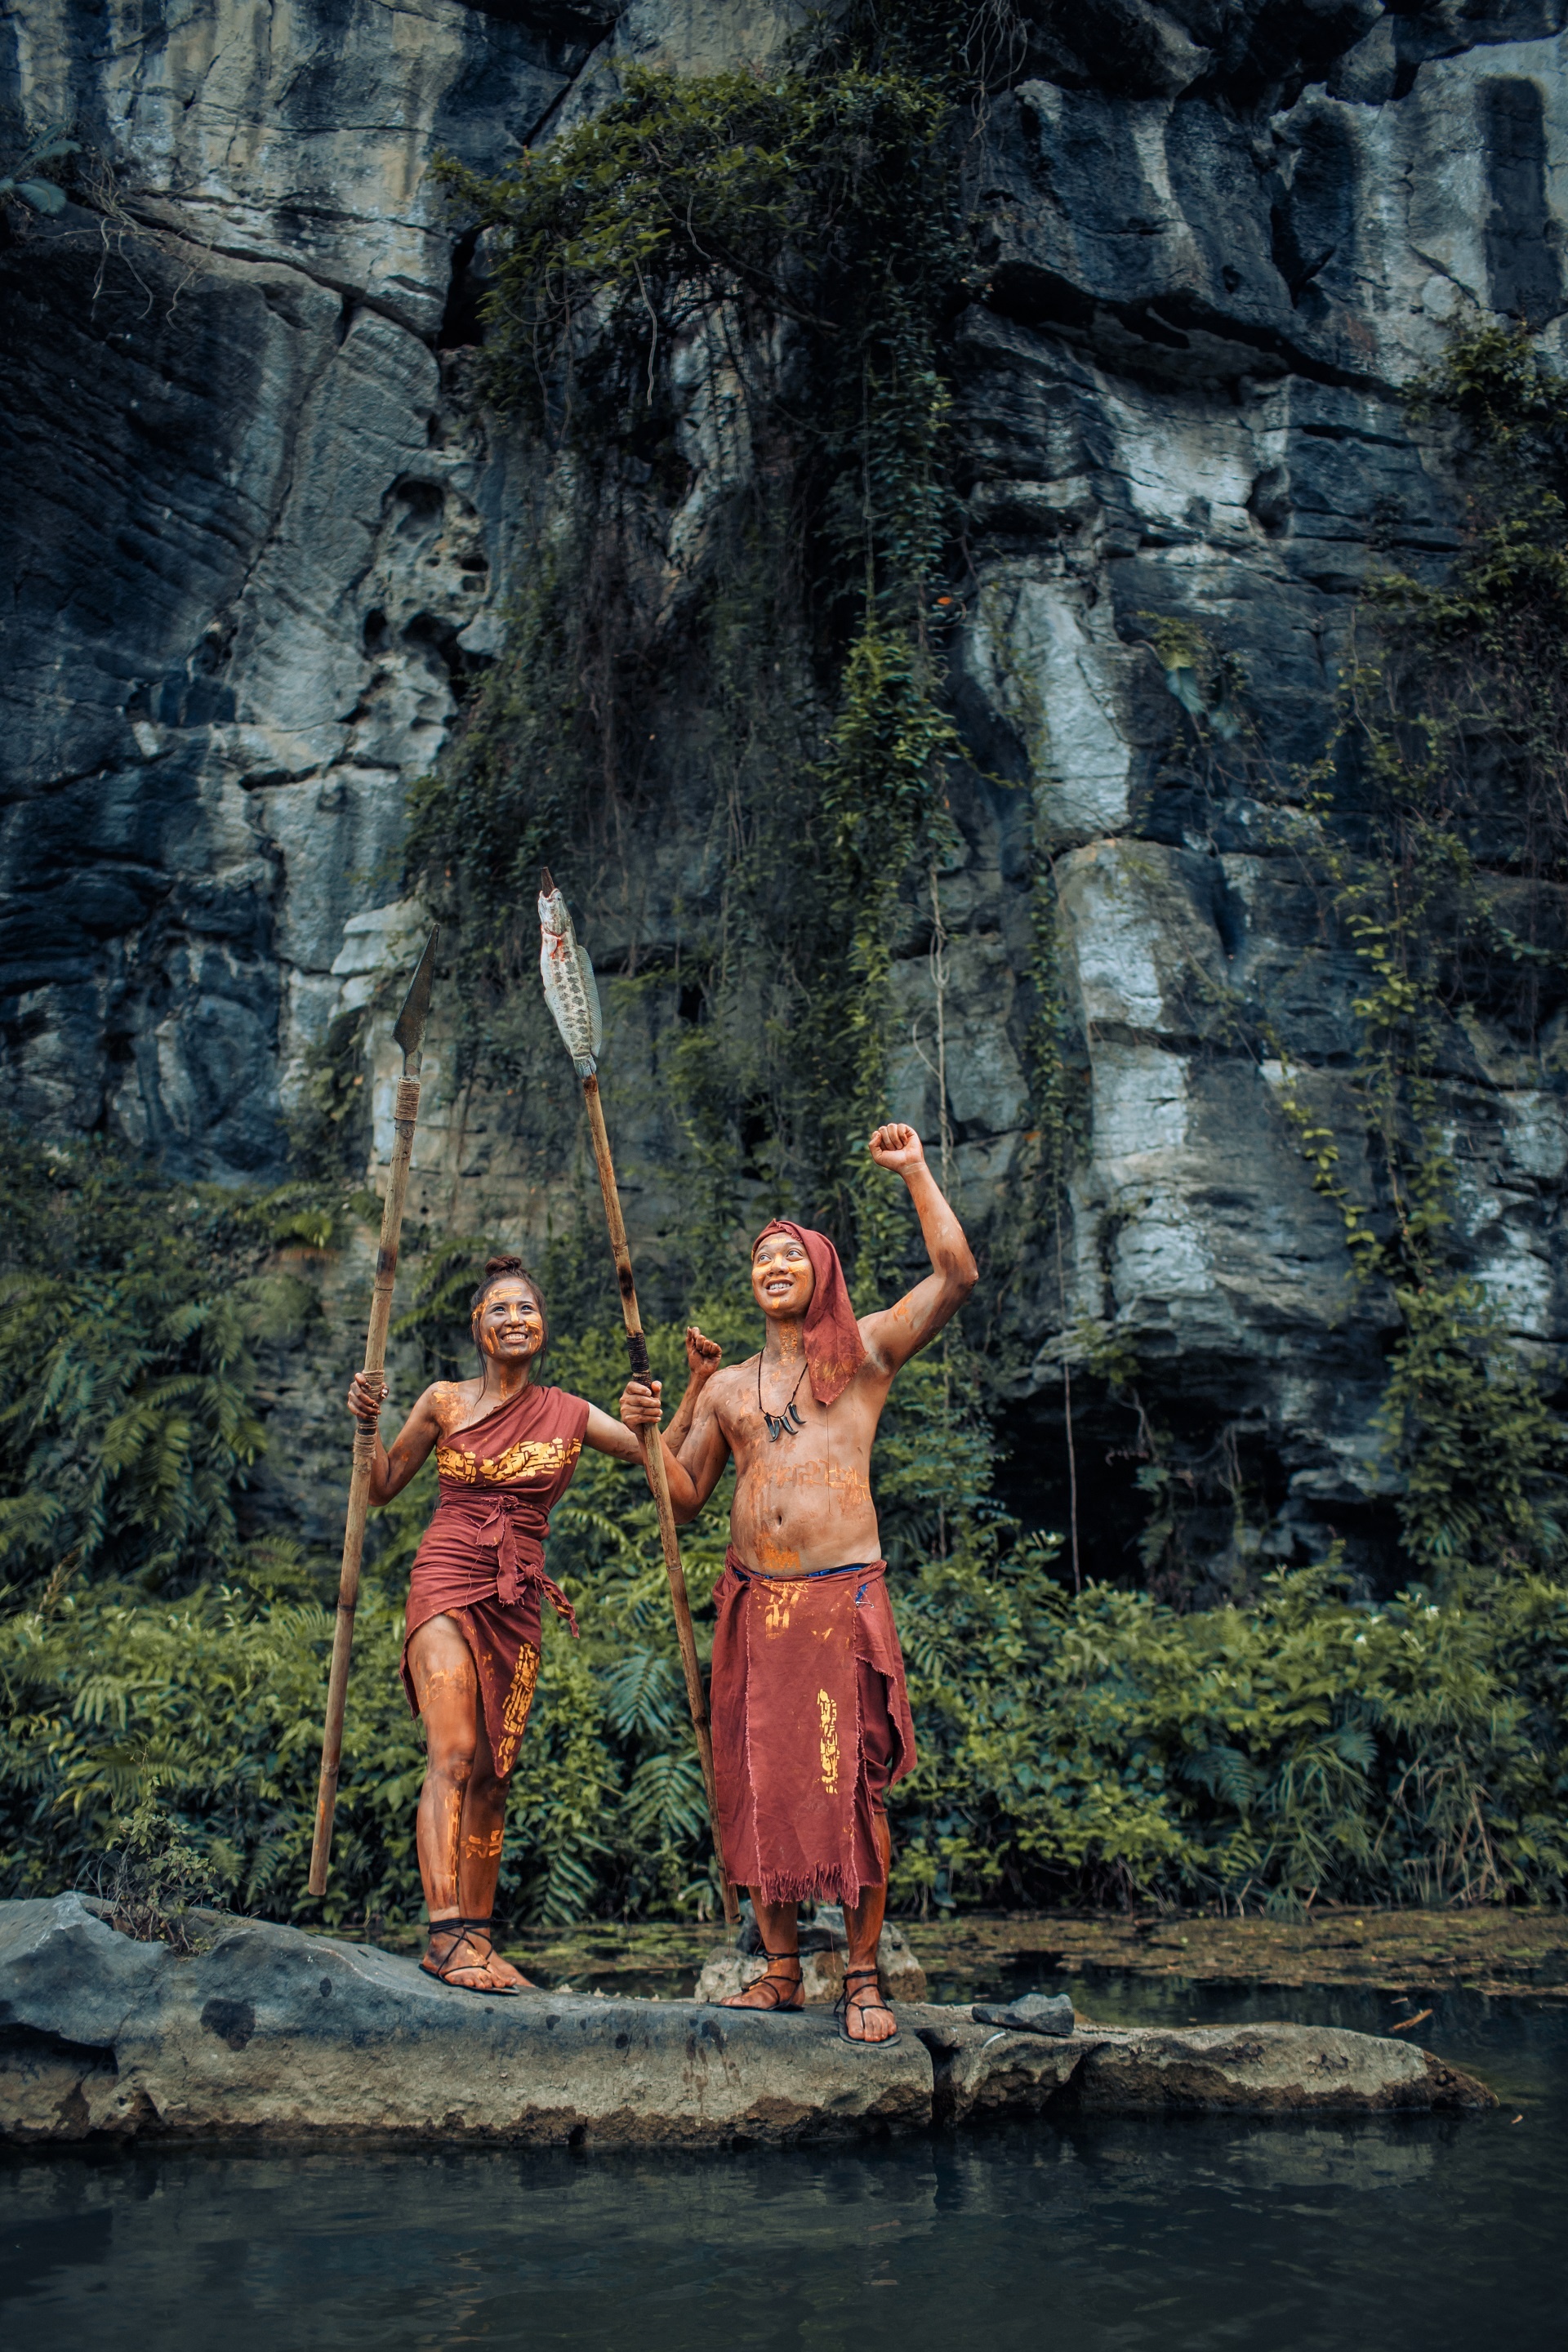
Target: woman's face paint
{"x": 509, "y": 1327}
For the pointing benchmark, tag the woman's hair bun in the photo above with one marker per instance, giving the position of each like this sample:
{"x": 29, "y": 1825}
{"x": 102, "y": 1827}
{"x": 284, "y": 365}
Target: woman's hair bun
{"x": 497, "y": 1265}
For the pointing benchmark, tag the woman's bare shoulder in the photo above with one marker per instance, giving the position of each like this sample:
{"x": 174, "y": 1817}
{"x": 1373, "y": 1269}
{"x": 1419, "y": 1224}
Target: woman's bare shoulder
{"x": 450, "y": 1404}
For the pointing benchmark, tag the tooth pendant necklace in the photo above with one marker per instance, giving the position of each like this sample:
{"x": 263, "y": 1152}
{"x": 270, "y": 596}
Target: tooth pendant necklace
{"x": 785, "y": 1424}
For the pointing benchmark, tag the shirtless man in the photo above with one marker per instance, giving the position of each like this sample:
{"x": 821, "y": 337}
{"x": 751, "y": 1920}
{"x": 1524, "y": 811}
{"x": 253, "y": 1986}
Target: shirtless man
{"x": 811, "y": 1720}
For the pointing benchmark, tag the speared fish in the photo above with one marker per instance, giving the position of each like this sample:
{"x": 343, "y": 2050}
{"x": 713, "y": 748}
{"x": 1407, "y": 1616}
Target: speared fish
{"x": 570, "y": 989}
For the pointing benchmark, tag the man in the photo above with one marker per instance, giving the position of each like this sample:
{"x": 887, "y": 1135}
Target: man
{"x": 811, "y": 1718}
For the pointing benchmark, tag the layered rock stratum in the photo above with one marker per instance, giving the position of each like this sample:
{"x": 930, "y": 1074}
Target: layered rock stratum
{"x": 258, "y": 529}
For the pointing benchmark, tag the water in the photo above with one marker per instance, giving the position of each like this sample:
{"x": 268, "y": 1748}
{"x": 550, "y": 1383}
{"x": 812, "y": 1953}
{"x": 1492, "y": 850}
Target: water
{"x": 1112, "y": 2237}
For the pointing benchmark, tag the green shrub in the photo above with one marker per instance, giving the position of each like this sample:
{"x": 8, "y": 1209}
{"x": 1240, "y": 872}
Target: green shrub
{"x": 1109, "y": 1745}
{"x": 1088, "y": 1746}
{"x": 130, "y": 1311}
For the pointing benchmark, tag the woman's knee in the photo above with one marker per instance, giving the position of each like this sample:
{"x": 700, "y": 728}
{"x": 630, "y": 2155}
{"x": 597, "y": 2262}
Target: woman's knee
{"x": 485, "y": 1791}
{"x": 451, "y": 1759}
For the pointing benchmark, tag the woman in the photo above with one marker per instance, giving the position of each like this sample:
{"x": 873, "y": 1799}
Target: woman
{"x": 506, "y": 1448}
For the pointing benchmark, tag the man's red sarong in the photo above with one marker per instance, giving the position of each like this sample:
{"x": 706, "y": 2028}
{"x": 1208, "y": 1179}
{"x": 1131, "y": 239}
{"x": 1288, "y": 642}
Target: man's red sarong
{"x": 811, "y": 1727}
{"x": 482, "y": 1559}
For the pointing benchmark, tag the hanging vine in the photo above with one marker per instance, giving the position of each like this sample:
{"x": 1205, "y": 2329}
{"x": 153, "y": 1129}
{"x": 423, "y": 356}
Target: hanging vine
{"x": 1437, "y": 823}
{"x": 718, "y": 313}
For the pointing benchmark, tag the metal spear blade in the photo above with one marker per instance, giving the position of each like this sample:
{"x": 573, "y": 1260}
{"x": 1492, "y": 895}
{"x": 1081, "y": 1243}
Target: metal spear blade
{"x": 409, "y": 1029}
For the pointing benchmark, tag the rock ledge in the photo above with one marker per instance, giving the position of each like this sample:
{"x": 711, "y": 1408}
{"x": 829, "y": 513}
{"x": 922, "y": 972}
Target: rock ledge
{"x": 272, "y": 2031}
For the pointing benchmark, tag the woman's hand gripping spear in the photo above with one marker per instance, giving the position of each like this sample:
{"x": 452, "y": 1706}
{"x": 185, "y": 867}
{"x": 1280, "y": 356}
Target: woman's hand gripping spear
{"x": 573, "y": 996}
{"x": 408, "y": 1032}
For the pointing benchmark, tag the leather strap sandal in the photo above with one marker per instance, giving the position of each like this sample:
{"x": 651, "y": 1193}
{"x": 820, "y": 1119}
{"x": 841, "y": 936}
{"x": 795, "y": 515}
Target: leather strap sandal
{"x": 464, "y": 1931}
{"x": 777, "y": 2006}
{"x": 841, "y": 2011}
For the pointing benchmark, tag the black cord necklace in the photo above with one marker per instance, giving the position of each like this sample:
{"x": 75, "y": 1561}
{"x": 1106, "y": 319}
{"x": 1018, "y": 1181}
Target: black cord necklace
{"x": 785, "y": 1424}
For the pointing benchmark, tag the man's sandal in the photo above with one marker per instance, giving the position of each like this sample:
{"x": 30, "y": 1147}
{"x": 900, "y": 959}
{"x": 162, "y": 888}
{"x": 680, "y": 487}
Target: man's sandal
{"x": 777, "y": 2006}
{"x": 841, "y": 2011}
{"x": 464, "y": 1931}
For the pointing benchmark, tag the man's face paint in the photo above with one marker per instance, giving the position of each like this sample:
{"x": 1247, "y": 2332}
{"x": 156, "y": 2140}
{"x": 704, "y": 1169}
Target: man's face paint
{"x": 509, "y": 1327}
{"x": 782, "y": 1280}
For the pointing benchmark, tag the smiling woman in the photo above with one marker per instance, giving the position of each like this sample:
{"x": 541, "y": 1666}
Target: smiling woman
{"x": 505, "y": 1450}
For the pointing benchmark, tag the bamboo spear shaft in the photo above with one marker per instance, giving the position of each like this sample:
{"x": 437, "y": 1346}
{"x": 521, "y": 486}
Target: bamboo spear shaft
{"x": 573, "y": 995}
{"x": 408, "y": 1032}
{"x": 653, "y": 1455}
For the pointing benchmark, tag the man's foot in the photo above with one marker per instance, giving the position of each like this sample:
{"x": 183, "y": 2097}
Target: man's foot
{"x": 778, "y": 1986}
{"x": 866, "y": 2015}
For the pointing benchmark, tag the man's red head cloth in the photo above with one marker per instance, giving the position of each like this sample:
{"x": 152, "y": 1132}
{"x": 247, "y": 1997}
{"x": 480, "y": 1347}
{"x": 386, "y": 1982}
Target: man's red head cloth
{"x": 835, "y": 1350}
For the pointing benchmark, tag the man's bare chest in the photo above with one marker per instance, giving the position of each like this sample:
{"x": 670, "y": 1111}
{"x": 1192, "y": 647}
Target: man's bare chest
{"x": 821, "y": 1458}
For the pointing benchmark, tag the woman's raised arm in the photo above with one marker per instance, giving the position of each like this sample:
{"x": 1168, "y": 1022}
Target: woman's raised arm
{"x": 608, "y": 1436}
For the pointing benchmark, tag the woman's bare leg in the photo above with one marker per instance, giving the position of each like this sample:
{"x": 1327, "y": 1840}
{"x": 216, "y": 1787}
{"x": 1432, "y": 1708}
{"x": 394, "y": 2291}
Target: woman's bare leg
{"x": 478, "y": 1861}
{"x": 461, "y": 1804}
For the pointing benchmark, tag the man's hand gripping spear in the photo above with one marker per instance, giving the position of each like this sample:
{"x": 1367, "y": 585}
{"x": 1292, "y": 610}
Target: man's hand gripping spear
{"x": 408, "y": 1033}
{"x": 573, "y": 996}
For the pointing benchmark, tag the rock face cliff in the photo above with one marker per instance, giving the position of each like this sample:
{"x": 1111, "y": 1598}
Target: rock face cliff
{"x": 258, "y": 533}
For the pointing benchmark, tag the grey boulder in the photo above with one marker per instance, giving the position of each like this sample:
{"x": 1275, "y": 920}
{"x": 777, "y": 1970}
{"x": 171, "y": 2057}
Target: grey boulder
{"x": 275, "y": 2031}
{"x": 982, "y": 2071}
{"x": 272, "y": 2032}
{"x": 1033, "y": 2012}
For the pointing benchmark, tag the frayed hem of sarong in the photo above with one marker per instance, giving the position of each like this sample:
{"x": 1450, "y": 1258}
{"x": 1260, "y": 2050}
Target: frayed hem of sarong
{"x": 830, "y": 1885}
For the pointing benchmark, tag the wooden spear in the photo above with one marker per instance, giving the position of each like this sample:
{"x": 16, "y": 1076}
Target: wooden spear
{"x": 573, "y": 995}
{"x": 408, "y": 1032}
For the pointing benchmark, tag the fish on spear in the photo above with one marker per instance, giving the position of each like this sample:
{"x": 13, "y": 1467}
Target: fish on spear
{"x": 573, "y": 995}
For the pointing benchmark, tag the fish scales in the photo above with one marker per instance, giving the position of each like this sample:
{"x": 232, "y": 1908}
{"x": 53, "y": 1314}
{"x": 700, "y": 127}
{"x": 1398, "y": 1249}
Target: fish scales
{"x": 570, "y": 989}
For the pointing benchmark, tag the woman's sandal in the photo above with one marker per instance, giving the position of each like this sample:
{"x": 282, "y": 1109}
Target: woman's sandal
{"x": 841, "y": 2011}
{"x": 464, "y": 1931}
{"x": 777, "y": 2006}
